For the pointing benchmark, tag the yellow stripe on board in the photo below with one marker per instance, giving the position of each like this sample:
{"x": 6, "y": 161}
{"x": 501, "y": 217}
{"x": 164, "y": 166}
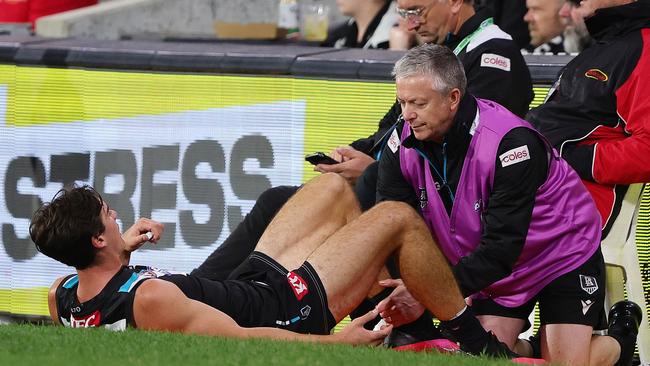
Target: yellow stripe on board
{"x": 341, "y": 112}
{"x": 643, "y": 244}
{"x": 31, "y": 301}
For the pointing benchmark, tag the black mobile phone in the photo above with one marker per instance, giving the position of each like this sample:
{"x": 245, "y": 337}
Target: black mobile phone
{"x": 320, "y": 158}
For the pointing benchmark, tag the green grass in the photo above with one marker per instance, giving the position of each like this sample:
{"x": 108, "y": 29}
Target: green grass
{"x": 52, "y": 346}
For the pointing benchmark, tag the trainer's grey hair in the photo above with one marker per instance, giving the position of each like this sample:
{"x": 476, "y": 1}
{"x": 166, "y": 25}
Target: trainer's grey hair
{"x": 435, "y": 61}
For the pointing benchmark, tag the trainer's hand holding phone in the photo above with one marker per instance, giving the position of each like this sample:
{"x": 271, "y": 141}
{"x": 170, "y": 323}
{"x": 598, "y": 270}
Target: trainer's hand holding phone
{"x": 352, "y": 163}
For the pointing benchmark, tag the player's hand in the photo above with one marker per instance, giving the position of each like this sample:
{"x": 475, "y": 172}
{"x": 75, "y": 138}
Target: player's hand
{"x": 137, "y": 234}
{"x": 399, "y": 307}
{"x": 355, "y": 334}
{"x": 353, "y": 163}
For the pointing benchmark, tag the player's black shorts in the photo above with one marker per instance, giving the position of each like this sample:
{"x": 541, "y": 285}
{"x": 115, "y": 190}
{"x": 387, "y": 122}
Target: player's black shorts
{"x": 577, "y": 297}
{"x": 262, "y": 293}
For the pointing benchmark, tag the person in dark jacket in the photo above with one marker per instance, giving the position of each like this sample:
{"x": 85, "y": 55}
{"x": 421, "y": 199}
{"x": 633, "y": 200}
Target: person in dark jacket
{"x": 369, "y": 25}
{"x": 597, "y": 113}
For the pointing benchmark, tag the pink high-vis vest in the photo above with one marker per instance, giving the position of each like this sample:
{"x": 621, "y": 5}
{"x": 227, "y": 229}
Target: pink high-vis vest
{"x": 565, "y": 226}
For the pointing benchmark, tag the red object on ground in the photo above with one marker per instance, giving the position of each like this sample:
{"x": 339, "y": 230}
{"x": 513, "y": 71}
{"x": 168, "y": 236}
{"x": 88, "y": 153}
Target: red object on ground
{"x": 14, "y": 11}
{"x": 440, "y": 345}
{"x": 446, "y": 346}
{"x": 529, "y": 361}
{"x": 41, "y": 8}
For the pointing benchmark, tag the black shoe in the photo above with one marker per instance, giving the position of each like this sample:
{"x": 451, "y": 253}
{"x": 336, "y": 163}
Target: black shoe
{"x": 624, "y": 319}
{"x": 535, "y": 342}
{"x": 493, "y": 348}
{"x": 420, "y": 330}
{"x": 398, "y": 338}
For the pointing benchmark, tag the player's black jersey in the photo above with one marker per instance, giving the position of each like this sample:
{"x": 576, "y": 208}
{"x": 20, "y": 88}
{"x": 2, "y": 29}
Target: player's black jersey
{"x": 111, "y": 308}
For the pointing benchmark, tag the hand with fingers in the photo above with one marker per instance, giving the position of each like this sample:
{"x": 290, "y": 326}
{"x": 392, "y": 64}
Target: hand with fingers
{"x": 144, "y": 230}
{"x": 399, "y": 307}
{"x": 353, "y": 163}
{"x": 355, "y": 334}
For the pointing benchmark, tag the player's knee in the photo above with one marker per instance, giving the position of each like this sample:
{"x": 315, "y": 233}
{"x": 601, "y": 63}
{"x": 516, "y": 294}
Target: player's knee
{"x": 333, "y": 185}
{"x": 397, "y": 213}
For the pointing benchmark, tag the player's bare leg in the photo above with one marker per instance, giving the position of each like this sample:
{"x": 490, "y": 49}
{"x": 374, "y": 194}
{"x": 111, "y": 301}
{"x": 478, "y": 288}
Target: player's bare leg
{"x": 319, "y": 209}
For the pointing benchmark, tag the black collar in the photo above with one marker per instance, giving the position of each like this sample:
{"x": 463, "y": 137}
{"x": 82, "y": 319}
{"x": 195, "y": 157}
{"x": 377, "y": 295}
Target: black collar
{"x": 609, "y": 23}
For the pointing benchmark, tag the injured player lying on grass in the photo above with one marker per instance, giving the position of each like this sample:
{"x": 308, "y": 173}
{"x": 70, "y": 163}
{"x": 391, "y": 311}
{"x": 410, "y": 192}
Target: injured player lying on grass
{"x": 302, "y": 279}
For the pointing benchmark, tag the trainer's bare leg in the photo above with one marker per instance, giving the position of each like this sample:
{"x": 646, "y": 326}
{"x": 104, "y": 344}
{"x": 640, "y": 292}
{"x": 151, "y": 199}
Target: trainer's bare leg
{"x": 320, "y": 208}
{"x": 349, "y": 261}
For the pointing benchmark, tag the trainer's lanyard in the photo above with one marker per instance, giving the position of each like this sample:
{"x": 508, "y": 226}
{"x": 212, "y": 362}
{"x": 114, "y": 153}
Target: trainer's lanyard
{"x": 461, "y": 46}
{"x": 441, "y": 177}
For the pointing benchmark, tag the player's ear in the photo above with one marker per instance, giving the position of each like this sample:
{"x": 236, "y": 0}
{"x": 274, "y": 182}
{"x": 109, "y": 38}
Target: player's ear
{"x": 98, "y": 241}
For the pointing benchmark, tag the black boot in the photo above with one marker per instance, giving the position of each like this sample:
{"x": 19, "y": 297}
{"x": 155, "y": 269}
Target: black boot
{"x": 472, "y": 337}
{"x": 624, "y": 319}
{"x": 422, "y": 329}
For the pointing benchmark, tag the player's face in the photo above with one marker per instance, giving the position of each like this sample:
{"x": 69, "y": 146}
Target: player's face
{"x": 428, "y": 112}
{"x": 111, "y": 232}
{"x": 432, "y": 20}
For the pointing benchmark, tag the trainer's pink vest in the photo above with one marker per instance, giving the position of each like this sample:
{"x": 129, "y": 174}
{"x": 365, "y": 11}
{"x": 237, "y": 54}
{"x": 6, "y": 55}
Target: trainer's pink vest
{"x": 565, "y": 226}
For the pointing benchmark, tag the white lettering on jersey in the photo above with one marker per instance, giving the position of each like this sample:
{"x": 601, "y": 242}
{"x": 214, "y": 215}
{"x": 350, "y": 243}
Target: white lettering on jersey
{"x": 514, "y": 156}
{"x": 495, "y": 61}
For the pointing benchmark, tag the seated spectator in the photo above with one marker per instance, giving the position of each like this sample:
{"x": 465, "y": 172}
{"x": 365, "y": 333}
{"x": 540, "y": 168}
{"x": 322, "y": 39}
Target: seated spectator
{"x": 545, "y": 26}
{"x": 509, "y": 16}
{"x": 576, "y": 35}
{"x": 369, "y": 25}
{"x": 401, "y": 38}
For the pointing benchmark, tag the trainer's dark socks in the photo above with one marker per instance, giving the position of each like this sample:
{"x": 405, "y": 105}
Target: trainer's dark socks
{"x": 466, "y": 330}
{"x": 627, "y": 343}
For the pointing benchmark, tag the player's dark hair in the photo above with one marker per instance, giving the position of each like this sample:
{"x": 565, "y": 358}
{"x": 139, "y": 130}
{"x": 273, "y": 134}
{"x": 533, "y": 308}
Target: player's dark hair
{"x": 63, "y": 229}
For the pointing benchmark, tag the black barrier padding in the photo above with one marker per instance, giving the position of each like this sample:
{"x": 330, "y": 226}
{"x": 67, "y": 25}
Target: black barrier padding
{"x": 256, "y": 59}
{"x": 177, "y": 56}
{"x": 227, "y": 57}
{"x": 9, "y": 46}
{"x": 546, "y": 68}
{"x": 380, "y": 65}
{"x": 349, "y": 64}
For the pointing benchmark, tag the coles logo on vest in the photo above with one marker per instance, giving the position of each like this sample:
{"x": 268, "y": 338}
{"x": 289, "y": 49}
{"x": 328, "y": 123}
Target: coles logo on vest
{"x": 514, "y": 156}
{"x": 298, "y": 285}
{"x": 92, "y": 320}
{"x": 495, "y": 61}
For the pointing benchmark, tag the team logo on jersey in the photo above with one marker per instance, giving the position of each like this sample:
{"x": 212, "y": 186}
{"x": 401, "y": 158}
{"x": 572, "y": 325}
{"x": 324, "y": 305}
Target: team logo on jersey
{"x": 596, "y": 74}
{"x": 495, "y": 61}
{"x": 423, "y": 196}
{"x": 589, "y": 284}
{"x": 586, "y": 305}
{"x": 298, "y": 285}
{"x": 514, "y": 156}
{"x": 92, "y": 320}
{"x": 305, "y": 311}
